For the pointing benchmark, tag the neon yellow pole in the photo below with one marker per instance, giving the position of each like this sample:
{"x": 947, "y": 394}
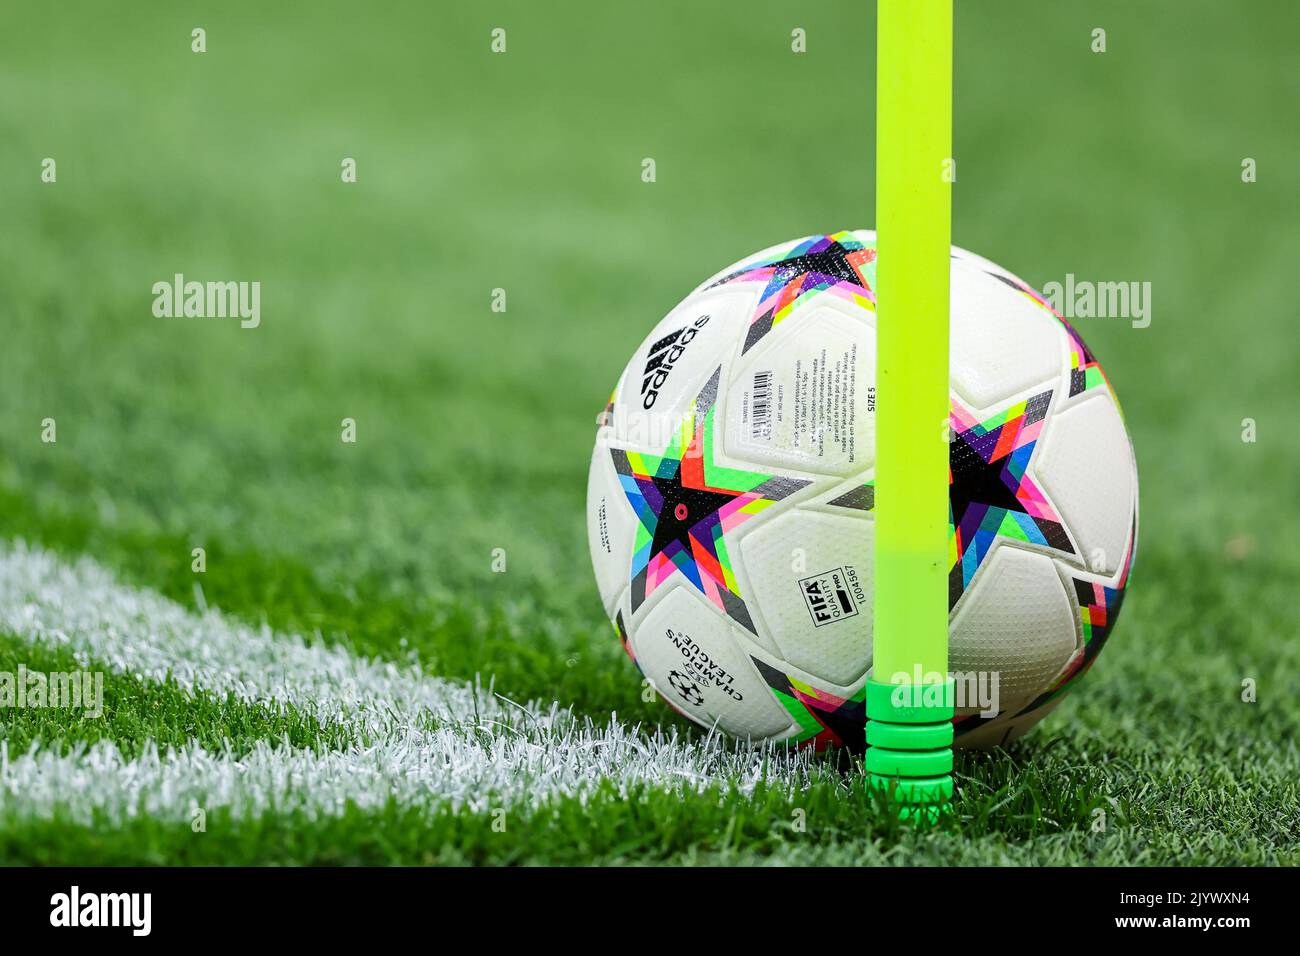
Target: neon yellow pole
{"x": 909, "y": 726}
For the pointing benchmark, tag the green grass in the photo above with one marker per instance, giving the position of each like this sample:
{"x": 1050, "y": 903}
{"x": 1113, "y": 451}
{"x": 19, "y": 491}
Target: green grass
{"x": 475, "y": 631}
{"x": 137, "y": 712}
{"x": 1029, "y": 809}
{"x": 522, "y": 172}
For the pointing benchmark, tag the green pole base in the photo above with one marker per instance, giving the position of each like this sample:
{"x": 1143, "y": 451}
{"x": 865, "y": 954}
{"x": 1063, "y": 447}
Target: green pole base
{"x": 909, "y": 739}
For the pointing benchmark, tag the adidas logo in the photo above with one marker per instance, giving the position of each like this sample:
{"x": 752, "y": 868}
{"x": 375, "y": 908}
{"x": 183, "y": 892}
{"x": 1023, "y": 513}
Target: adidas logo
{"x": 663, "y": 355}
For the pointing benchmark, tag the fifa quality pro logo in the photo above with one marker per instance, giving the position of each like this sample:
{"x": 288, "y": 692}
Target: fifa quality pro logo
{"x": 663, "y": 355}
{"x": 832, "y": 596}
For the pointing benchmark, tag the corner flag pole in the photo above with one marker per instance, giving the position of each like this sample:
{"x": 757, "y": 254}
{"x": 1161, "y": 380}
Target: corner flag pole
{"x": 909, "y": 697}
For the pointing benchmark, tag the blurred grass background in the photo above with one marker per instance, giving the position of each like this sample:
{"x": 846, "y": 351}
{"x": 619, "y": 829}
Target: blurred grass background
{"x": 522, "y": 171}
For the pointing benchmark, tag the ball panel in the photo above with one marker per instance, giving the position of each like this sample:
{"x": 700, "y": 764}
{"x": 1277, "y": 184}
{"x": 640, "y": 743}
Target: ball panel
{"x": 1086, "y": 468}
{"x": 810, "y": 575}
{"x": 798, "y": 399}
{"x": 611, "y": 527}
{"x": 1019, "y": 594}
{"x": 692, "y": 657}
{"x": 1002, "y": 343}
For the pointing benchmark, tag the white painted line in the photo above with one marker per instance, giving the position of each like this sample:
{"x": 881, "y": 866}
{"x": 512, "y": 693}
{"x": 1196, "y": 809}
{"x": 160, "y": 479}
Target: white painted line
{"x": 425, "y": 739}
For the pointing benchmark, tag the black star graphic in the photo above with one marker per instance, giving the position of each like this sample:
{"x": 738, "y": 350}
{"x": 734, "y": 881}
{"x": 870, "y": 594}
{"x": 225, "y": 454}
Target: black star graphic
{"x": 975, "y": 481}
{"x": 983, "y": 493}
{"x": 831, "y": 265}
{"x": 683, "y": 508}
{"x": 832, "y": 261}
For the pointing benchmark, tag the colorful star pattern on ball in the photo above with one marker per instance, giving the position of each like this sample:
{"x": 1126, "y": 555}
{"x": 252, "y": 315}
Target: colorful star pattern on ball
{"x": 991, "y": 495}
{"x": 839, "y": 264}
{"x": 825, "y": 719}
{"x": 990, "y": 492}
{"x": 686, "y": 503}
{"x": 1099, "y": 606}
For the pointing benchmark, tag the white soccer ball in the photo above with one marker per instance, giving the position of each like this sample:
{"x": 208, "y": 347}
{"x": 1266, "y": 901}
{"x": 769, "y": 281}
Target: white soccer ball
{"x": 730, "y": 497}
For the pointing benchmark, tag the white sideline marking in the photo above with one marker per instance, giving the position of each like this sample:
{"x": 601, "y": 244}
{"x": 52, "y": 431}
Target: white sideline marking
{"x": 422, "y": 739}
{"x": 134, "y": 631}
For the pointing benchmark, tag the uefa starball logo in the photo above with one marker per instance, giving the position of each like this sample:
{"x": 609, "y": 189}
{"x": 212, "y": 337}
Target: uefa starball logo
{"x": 686, "y": 688}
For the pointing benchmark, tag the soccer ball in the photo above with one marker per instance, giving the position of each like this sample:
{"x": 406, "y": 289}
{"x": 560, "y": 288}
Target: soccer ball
{"x": 730, "y": 497}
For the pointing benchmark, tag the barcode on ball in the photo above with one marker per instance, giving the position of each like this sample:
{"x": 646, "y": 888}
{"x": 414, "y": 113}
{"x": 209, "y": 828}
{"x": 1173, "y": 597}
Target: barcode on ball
{"x": 760, "y": 409}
